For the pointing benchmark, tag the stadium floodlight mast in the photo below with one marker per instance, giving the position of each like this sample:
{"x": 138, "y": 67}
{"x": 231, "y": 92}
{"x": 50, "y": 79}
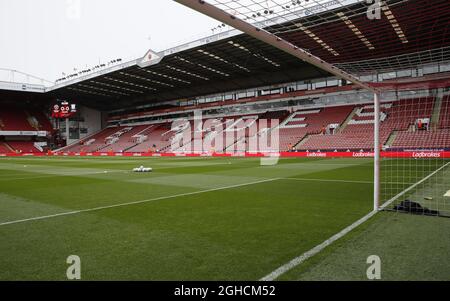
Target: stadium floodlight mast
{"x": 230, "y": 12}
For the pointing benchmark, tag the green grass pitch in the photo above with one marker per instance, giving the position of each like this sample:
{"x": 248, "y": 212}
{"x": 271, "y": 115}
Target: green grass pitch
{"x": 191, "y": 219}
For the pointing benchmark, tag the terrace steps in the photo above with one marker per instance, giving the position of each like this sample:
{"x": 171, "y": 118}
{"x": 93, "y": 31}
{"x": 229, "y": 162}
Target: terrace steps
{"x": 303, "y": 141}
{"x": 349, "y": 118}
{"x": 147, "y": 131}
{"x": 9, "y": 147}
{"x": 128, "y": 148}
{"x": 391, "y": 138}
{"x": 436, "y": 115}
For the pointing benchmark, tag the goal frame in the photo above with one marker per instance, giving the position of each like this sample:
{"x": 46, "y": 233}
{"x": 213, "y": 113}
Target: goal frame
{"x": 210, "y": 10}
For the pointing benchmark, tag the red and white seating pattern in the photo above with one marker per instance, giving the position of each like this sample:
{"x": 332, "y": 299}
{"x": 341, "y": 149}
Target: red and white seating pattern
{"x": 313, "y": 125}
{"x": 423, "y": 139}
{"x": 444, "y": 121}
{"x": 92, "y": 144}
{"x": 23, "y": 146}
{"x": 158, "y": 139}
{"x": 241, "y": 130}
{"x": 15, "y": 119}
{"x": 358, "y": 134}
{"x": 300, "y": 124}
{"x": 4, "y": 148}
{"x": 125, "y": 140}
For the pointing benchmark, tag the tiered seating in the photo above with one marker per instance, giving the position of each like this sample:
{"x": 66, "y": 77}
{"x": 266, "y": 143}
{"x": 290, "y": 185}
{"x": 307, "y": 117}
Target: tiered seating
{"x": 398, "y": 117}
{"x": 313, "y": 125}
{"x": 44, "y": 122}
{"x": 340, "y": 141}
{"x": 126, "y": 140}
{"x": 99, "y": 142}
{"x": 158, "y": 139}
{"x": 228, "y": 134}
{"x": 24, "y": 146}
{"x": 14, "y": 119}
{"x": 280, "y": 116}
{"x": 444, "y": 122}
{"x": 236, "y": 139}
{"x": 404, "y": 113}
{"x": 181, "y": 142}
{"x": 314, "y": 121}
{"x": 263, "y": 129}
{"x": 238, "y": 129}
{"x": 142, "y": 135}
{"x": 4, "y": 148}
{"x": 423, "y": 139}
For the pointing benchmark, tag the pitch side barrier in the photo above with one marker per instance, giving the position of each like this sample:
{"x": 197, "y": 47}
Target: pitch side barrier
{"x": 402, "y": 154}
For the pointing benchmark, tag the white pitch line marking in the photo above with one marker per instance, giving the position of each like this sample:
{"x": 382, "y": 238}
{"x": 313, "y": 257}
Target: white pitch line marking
{"x": 328, "y": 180}
{"x": 300, "y": 259}
{"x": 447, "y": 194}
{"x": 343, "y": 181}
{"x": 3, "y": 178}
{"x": 135, "y": 202}
{"x": 62, "y": 175}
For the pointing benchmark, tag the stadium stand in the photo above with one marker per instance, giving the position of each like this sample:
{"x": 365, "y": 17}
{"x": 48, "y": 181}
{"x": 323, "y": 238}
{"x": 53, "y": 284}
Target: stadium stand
{"x": 444, "y": 122}
{"x": 23, "y": 146}
{"x": 425, "y": 139}
{"x": 140, "y": 138}
{"x": 43, "y": 122}
{"x": 15, "y": 119}
{"x": 310, "y": 122}
{"x": 358, "y": 133}
{"x": 158, "y": 139}
{"x": 94, "y": 143}
{"x": 345, "y": 127}
{"x": 4, "y": 149}
{"x": 126, "y": 140}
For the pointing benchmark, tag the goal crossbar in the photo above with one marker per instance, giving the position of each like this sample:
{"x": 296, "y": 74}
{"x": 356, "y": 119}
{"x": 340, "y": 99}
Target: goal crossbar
{"x": 277, "y": 42}
{"x": 272, "y": 39}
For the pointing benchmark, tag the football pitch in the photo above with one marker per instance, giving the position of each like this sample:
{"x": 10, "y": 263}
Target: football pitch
{"x": 190, "y": 219}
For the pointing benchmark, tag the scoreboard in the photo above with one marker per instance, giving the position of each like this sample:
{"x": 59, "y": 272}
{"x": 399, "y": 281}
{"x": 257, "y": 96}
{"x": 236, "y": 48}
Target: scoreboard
{"x": 63, "y": 109}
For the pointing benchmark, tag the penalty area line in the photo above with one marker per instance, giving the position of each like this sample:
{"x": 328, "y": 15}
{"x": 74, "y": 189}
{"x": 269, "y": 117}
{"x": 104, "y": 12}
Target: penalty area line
{"x": 343, "y": 181}
{"x": 314, "y": 251}
{"x": 135, "y": 202}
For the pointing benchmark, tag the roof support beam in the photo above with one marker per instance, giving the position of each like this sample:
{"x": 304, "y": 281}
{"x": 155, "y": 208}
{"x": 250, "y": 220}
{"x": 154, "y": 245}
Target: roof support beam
{"x": 271, "y": 39}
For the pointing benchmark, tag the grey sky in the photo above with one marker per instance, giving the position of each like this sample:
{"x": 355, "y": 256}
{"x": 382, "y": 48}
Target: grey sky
{"x": 48, "y": 37}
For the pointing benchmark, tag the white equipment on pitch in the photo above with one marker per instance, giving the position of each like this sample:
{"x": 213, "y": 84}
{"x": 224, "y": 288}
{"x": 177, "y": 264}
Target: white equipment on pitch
{"x": 142, "y": 169}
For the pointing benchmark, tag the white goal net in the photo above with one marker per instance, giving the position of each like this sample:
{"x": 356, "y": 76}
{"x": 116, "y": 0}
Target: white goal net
{"x": 415, "y": 137}
{"x": 378, "y": 46}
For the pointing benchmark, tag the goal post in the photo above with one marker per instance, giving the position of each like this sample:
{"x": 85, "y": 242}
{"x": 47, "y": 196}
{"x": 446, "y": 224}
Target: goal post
{"x": 308, "y": 31}
{"x": 414, "y": 134}
{"x": 377, "y": 152}
{"x": 272, "y": 39}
